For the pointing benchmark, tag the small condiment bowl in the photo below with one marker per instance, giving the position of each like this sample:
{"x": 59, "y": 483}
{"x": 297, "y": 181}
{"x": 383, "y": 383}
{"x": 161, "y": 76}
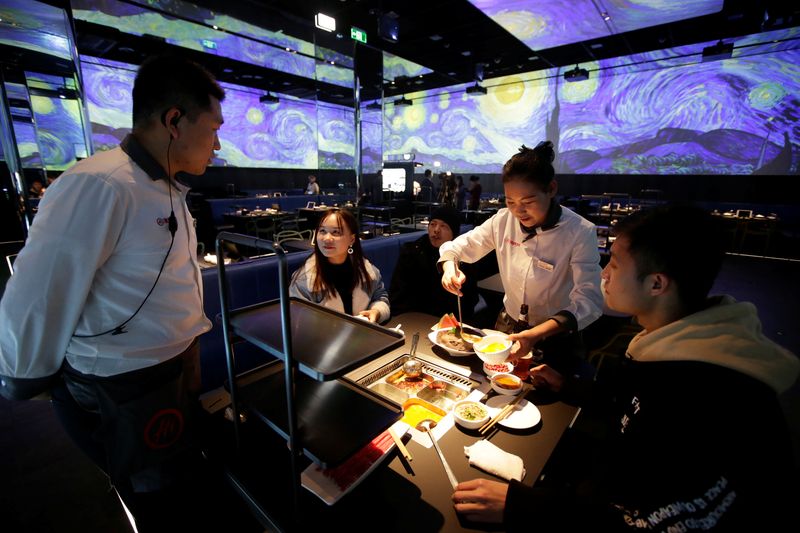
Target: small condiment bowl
{"x": 462, "y": 417}
{"x": 491, "y": 369}
{"x": 487, "y": 348}
{"x": 505, "y": 383}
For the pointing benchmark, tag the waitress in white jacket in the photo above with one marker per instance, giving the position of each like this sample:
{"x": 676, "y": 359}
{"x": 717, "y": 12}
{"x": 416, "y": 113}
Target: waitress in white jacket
{"x": 547, "y": 255}
{"x": 338, "y": 276}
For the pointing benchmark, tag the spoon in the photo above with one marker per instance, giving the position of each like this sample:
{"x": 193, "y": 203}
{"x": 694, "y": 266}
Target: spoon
{"x": 426, "y": 426}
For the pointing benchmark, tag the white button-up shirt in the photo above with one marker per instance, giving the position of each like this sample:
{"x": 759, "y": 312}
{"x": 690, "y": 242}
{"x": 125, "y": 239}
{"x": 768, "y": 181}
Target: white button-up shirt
{"x": 94, "y": 251}
{"x": 554, "y": 271}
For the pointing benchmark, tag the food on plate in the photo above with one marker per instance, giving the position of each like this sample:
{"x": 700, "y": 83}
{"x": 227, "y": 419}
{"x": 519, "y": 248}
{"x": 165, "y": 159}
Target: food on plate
{"x": 447, "y": 321}
{"x": 471, "y": 411}
{"x": 507, "y": 382}
{"x": 496, "y": 368}
{"x": 450, "y": 338}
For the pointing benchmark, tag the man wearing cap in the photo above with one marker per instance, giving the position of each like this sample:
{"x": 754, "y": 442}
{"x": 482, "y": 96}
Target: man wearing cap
{"x": 416, "y": 282}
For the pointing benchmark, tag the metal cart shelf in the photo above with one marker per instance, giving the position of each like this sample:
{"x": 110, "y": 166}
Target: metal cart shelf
{"x": 315, "y": 346}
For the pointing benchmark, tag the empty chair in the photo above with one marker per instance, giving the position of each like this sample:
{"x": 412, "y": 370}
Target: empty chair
{"x": 293, "y": 235}
{"x": 290, "y": 221}
{"x": 395, "y": 222}
{"x": 262, "y": 227}
{"x": 759, "y": 231}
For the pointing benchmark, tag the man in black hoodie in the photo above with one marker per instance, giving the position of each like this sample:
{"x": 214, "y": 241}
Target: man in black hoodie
{"x": 696, "y": 439}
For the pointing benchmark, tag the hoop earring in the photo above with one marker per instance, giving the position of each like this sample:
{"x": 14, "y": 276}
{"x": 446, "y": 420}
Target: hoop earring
{"x": 350, "y": 250}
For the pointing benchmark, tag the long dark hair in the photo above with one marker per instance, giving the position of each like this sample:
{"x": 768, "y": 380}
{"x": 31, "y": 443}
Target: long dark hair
{"x": 532, "y": 165}
{"x": 322, "y": 278}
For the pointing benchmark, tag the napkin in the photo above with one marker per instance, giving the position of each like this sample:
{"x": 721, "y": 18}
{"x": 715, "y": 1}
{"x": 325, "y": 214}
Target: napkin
{"x": 486, "y": 456}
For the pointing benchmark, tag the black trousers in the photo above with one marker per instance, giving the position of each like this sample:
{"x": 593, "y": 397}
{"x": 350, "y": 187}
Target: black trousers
{"x": 138, "y": 427}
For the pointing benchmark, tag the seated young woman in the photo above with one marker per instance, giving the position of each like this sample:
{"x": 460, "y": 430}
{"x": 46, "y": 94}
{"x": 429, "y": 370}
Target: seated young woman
{"x": 338, "y": 276}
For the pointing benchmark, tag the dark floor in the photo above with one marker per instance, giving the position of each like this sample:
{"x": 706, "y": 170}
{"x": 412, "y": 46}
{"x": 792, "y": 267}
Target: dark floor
{"x": 49, "y": 486}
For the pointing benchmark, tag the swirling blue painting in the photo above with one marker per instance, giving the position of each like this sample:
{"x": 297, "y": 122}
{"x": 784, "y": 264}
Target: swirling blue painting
{"x": 542, "y": 25}
{"x": 644, "y": 114}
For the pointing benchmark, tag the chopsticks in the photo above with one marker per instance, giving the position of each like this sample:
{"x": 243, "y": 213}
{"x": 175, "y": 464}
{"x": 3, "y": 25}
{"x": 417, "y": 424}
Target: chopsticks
{"x": 400, "y": 445}
{"x": 504, "y": 412}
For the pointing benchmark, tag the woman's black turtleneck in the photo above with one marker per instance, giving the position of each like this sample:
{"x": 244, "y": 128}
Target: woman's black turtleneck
{"x": 341, "y": 276}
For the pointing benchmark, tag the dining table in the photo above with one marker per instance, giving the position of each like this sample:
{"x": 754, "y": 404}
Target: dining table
{"x": 398, "y": 494}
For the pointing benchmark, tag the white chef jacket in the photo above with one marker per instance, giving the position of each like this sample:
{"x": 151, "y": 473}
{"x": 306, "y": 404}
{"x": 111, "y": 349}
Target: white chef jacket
{"x": 94, "y": 251}
{"x": 554, "y": 270}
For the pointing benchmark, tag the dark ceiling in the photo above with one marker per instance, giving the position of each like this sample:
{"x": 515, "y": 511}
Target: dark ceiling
{"x": 450, "y": 37}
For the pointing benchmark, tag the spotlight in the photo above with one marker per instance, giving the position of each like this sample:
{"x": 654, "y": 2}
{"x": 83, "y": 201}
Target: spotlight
{"x": 577, "y": 74}
{"x": 717, "y": 51}
{"x": 269, "y": 99}
{"x": 389, "y": 27}
{"x": 402, "y": 101}
{"x": 476, "y": 89}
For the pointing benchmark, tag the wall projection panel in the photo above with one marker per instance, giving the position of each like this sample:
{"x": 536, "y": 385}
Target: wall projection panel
{"x": 663, "y": 112}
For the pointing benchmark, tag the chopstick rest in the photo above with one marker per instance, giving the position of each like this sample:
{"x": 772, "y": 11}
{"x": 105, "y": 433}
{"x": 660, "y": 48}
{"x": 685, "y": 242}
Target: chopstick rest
{"x": 486, "y": 456}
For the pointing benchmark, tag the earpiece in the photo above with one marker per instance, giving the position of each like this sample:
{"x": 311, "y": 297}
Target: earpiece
{"x": 174, "y": 120}
{"x": 656, "y": 284}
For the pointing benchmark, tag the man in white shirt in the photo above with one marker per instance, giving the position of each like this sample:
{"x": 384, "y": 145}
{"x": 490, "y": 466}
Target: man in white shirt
{"x": 106, "y": 302}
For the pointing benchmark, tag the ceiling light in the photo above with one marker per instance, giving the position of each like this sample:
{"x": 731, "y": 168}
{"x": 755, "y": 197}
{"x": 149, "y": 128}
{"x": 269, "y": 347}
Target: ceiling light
{"x": 435, "y": 37}
{"x": 375, "y": 106}
{"x": 578, "y": 74}
{"x": 324, "y": 22}
{"x": 476, "y": 89}
{"x": 717, "y": 51}
{"x": 402, "y": 101}
{"x": 269, "y": 99}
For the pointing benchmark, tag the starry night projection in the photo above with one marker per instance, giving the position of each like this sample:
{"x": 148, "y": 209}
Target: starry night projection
{"x": 663, "y": 112}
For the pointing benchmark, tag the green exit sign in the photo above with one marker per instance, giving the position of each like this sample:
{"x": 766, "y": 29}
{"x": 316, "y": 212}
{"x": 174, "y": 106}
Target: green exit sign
{"x": 357, "y": 34}
{"x": 211, "y": 45}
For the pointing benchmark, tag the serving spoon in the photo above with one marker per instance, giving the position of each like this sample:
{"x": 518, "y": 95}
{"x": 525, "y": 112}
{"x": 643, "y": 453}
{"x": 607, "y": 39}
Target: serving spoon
{"x": 426, "y": 426}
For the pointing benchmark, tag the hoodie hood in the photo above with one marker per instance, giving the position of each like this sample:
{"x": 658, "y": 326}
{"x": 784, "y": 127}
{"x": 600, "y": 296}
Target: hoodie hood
{"x": 727, "y": 333}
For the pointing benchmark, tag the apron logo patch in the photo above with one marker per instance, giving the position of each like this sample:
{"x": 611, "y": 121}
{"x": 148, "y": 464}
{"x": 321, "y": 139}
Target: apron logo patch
{"x": 163, "y": 429}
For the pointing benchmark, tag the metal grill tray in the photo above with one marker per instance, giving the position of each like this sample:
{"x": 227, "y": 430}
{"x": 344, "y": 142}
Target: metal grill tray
{"x": 436, "y": 385}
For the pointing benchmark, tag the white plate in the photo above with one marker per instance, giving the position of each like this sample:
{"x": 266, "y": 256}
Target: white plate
{"x": 457, "y": 353}
{"x": 525, "y": 415}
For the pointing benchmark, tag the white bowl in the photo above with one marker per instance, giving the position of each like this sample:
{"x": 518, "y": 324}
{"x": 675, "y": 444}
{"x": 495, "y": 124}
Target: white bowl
{"x": 470, "y": 423}
{"x": 497, "y": 356}
{"x": 433, "y": 335}
{"x": 504, "y": 390}
{"x": 505, "y": 367}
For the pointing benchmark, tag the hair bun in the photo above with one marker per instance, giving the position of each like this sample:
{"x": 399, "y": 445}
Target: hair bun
{"x": 545, "y": 148}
